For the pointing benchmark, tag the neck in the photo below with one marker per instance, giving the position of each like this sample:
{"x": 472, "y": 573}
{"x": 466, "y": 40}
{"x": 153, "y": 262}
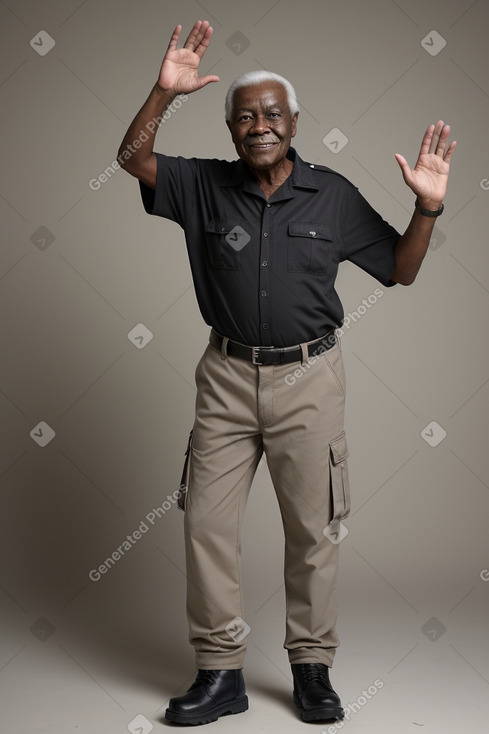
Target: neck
{"x": 271, "y": 179}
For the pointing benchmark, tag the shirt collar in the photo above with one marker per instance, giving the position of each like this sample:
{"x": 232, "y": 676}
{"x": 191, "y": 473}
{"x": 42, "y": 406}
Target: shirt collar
{"x": 302, "y": 175}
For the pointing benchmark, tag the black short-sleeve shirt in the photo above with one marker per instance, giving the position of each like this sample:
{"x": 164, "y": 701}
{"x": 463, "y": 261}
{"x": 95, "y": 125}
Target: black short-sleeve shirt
{"x": 264, "y": 270}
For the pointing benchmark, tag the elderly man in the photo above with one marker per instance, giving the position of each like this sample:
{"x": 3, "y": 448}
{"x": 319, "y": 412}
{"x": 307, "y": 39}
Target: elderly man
{"x": 265, "y": 235}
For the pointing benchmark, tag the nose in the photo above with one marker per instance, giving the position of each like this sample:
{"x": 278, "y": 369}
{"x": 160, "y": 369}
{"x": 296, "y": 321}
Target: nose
{"x": 259, "y": 126}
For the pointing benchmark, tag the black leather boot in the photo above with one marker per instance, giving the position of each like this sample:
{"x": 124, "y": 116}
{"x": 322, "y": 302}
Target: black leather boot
{"x": 313, "y": 693}
{"x": 214, "y": 693}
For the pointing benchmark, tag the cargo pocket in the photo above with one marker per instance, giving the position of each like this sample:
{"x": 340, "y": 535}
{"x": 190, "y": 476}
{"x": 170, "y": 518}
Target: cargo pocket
{"x": 182, "y": 495}
{"x": 338, "y": 472}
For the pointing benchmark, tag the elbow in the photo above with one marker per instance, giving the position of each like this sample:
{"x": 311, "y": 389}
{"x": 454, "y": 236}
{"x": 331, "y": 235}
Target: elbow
{"x": 124, "y": 161}
{"x": 405, "y": 281}
{"x": 403, "y": 278}
{"x": 128, "y": 159}
{"x": 144, "y": 169}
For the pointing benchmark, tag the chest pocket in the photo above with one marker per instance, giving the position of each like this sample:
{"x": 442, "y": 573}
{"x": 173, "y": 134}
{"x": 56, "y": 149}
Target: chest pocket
{"x": 310, "y": 248}
{"x": 225, "y": 239}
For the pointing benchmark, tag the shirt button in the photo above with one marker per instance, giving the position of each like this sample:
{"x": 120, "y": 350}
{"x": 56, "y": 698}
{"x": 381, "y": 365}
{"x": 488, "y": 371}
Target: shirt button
{"x": 311, "y": 165}
{"x": 268, "y": 206}
{"x": 264, "y": 263}
{"x": 265, "y": 234}
{"x": 264, "y": 293}
{"x": 265, "y": 326}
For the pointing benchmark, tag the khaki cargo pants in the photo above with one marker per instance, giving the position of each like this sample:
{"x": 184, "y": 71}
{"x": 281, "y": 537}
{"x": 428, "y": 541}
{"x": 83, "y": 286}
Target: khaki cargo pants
{"x": 294, "y": 413}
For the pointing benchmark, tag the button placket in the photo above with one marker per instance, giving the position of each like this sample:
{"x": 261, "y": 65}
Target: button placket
{"x": 264, "y": 276}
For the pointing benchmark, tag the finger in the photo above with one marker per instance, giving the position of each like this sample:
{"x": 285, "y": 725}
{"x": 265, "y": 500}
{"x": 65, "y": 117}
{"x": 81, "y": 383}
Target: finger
{"x": 204, "y": 41}
{"x": 404, "y": 166}
{"x": 208, "y": 79}
{"x": 174, "y": 38}
{"x": 436, "y": 136}
{"x": 401, "y": 160}
{"x": 448, "y": 155}
{"x": 442, "y": 143}
{"x": 427, "y": 139}
{"x": 196, "y": 34}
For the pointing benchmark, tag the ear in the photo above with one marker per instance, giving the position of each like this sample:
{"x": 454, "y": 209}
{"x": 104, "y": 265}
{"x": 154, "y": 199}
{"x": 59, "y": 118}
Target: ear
{"x": 294, "y": 125}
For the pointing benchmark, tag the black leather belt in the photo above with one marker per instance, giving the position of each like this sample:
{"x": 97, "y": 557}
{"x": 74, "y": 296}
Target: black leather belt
{"x": 273, "y": 355}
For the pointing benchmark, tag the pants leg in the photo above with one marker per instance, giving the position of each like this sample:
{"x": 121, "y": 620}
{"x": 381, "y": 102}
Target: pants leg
{"x": 225, "y": 453}
{"x": 302, "y": 440}
{"x": 295, "y": 413}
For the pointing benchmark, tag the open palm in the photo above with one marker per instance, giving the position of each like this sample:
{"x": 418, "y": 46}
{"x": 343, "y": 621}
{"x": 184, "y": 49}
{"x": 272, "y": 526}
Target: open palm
{"x": 429, "y": 178}
{"x": 179, "y": 73}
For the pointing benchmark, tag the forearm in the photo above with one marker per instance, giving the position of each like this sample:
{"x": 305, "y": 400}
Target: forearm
{"x": 178, "y": 76}
{"x": 412, "y": 246}
{"x": 136, "y": 154}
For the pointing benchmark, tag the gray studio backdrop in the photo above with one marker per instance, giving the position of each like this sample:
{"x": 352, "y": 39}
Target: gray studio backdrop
{"x": 101, "y": 332}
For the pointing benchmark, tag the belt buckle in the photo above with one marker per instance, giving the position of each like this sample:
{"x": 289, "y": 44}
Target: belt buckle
{"x": 255, "y": 354}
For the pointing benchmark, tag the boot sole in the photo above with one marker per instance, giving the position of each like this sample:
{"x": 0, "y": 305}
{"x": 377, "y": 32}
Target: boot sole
{"x": 322, "y": 714}
{"x": 231, "y": 707}
{"x": 319, "y": 714}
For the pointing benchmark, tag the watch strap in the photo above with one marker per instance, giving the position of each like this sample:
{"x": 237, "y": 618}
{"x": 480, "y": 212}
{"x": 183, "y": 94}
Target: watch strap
{"x": 428, "y": 212}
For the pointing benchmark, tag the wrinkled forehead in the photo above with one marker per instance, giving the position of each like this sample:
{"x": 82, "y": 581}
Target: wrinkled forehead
{"x": 261, "y": 97}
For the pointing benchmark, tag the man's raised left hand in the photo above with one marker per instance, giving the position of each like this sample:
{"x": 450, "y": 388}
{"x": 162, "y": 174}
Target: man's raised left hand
{"x": 429, "y": 177}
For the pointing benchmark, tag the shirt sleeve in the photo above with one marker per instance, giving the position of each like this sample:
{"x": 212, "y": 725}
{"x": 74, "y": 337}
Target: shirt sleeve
{"x": 368, "y": 240}
{"x": 174, "y": 195}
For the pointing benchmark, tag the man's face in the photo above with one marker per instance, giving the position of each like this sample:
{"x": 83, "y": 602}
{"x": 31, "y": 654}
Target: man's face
{"x": 261, "y": 124}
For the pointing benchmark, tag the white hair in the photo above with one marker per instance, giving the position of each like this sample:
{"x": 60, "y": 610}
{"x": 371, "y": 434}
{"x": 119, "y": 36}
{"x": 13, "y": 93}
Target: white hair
{"x": 251, "y": 78}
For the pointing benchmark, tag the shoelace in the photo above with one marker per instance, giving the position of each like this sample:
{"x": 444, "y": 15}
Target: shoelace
{"x": 316, "y": 672}
{"x": 204, "y": 677}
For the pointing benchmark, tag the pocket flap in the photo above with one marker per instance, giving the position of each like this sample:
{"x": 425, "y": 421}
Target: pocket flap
{"x": 183, "y": 489}
{"x": 313, "y": 230}
{"x": 338, "y": 448}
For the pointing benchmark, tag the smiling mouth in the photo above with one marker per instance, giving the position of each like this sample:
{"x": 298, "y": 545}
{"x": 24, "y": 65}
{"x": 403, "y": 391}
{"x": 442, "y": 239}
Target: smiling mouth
{"x": 261, "y": 146}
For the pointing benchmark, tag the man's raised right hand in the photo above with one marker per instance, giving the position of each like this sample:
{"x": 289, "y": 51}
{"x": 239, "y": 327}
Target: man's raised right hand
{"x": 179, "y": 73}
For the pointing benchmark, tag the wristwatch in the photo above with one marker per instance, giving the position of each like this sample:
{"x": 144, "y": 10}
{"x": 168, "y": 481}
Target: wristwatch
{"x": 428, "y": 212}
